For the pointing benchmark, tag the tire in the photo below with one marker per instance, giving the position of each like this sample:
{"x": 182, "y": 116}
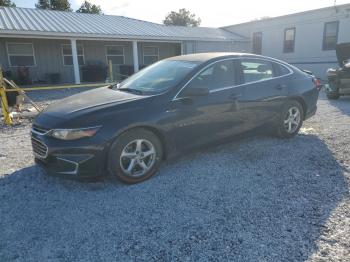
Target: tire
{"x": 333, "y": 96}
{"x": 288, "y": 126}
{"x": 130, "y": 157}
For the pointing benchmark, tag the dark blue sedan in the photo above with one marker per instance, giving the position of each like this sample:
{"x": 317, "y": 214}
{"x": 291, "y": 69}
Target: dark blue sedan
{"x": 176, "y": 104}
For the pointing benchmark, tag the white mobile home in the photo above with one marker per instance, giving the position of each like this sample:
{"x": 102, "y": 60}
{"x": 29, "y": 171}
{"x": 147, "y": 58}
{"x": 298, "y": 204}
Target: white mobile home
{"x": 305, "y": 39}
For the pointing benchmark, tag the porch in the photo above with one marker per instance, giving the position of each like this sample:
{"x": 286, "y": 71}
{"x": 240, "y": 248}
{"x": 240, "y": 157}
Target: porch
{"x": 59, "y": 61}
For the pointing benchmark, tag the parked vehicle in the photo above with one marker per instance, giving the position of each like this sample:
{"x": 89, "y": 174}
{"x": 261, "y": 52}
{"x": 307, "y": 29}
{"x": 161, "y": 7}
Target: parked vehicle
{"x": 339, "y": 79}
{"x": 167, "y": 108}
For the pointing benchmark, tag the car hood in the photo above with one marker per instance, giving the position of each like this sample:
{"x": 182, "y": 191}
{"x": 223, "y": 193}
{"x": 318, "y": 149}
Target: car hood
{"x": 88, "y": 101}
{"x": 343, "y": 53}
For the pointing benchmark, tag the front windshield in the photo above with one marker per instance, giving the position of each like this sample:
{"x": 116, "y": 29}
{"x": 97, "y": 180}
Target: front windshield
{"x": 158, "y": 77}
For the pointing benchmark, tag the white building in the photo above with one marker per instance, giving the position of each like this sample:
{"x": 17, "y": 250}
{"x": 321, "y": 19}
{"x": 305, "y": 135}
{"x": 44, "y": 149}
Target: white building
{"x": 305, "y": 39}
{"x": 64, "y": 45}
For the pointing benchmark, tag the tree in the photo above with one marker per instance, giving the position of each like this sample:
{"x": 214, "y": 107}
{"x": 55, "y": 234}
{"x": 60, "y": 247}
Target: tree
{"x": 43, "y": 4}
{"x": 7, "y": 3}
{"x": 60, "y": 5}
{"x": 183, "y": 18}
{"x": 89, "y": 8}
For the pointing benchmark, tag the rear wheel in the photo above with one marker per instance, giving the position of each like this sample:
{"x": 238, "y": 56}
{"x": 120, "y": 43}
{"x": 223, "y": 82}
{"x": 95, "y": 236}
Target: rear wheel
{"x": 135, "y": 156}
{"x": 291, "y": 120}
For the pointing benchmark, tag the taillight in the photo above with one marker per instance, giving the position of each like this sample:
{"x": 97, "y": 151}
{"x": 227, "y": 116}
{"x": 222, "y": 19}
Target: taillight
{"x": 317, "y": 83}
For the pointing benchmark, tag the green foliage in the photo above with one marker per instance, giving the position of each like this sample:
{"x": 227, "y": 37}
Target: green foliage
{"x": 89, "y": 8}
{"x": 182, "y": 18}
{"x": 43, "y": 4}
{"x": 60, "y": 5}
{"x": 7, "y": 3}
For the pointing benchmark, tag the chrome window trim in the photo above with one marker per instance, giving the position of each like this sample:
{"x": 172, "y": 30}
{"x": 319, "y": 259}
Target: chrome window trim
{"x": 229, "y": 87}
{"x": 222, "y": 89}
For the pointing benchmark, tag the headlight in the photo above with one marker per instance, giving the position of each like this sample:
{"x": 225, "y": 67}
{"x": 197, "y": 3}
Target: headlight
{"x": 72, "y": 134}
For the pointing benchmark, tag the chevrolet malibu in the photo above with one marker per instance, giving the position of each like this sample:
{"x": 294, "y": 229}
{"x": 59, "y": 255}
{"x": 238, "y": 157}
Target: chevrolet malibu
{"x": 174, "y": 105}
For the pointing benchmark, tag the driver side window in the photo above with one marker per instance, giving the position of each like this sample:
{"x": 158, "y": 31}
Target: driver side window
{"x": 218, "y": 75}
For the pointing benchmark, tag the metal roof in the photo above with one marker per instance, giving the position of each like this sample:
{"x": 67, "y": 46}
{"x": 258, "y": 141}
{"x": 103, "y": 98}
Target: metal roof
{"x": 38, "y": 22}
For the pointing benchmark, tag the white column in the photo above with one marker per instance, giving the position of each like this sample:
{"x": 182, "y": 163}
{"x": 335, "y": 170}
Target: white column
{"x": 135, "y": 55}
{"x": 75, "y": 61}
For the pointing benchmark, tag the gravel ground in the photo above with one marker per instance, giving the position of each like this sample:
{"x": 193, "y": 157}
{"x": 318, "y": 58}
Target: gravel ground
{"x": 256, "y": 199}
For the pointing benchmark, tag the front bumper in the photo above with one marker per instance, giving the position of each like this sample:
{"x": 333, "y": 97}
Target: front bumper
{"x": 81, "y": 158}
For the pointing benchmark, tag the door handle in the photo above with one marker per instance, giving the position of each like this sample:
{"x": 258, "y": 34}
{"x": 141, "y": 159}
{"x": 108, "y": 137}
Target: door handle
{"x": 234, "y": 96}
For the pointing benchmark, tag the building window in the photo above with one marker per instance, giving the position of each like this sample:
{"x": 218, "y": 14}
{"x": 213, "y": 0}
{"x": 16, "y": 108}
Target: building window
{"x": 68, "y": 57}
{"x": 330, "y": 35}
{"x": 150, "y": 55}
{"x": 257, "y": 43}
{"x": 289, "y": 40}
{"x": 115, "y": 54}
{"x": 21, "y": 54}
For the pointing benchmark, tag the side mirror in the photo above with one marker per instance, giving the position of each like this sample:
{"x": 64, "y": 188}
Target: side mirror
{"x": 196, "y": 91}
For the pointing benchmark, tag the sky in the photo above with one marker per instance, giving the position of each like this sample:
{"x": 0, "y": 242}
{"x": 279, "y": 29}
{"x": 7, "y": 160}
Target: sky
{"x": 212, "y": 13}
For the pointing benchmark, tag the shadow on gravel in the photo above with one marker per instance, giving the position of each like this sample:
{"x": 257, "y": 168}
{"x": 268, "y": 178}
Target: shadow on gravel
{"x": 260, "y": 199}
{"x": 343, "y": 104}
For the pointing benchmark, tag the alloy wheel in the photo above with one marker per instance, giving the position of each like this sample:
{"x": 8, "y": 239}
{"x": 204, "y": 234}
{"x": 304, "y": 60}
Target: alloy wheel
{"x": 137, "y": 157}
{"x": 292, "y": 119}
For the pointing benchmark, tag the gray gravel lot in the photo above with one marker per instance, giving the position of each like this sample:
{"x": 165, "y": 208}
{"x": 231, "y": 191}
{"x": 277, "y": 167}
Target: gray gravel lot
{"x": 256, "y": 199}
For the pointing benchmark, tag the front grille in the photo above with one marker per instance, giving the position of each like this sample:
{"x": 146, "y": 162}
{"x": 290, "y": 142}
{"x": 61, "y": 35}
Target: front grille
{"x": 40, "y": 130}
{"x": 39, "y": 148}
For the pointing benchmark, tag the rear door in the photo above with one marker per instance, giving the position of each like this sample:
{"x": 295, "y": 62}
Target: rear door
{"x": 265, "y": 90}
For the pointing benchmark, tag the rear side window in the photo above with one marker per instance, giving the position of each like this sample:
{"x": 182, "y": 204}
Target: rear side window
{"x": 219, "y": 75}
{"x": 256, "y": 70}
{"x": 280, "y": 70}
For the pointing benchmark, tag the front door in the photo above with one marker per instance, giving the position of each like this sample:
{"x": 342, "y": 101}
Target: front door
{"x": 201, "y": 119}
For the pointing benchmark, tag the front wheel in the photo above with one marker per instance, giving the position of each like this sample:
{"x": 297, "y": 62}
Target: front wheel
{"x": 135, "y": 156}
{"x": 291, "y": 120}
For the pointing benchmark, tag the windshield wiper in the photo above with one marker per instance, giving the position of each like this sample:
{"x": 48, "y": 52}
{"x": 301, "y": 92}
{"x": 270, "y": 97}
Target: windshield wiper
{"x": 131, "y": 90}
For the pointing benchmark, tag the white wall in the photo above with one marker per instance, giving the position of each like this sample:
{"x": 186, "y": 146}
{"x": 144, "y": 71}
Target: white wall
{"x": 308, "y": 53}
{"x": 191, "y": 47}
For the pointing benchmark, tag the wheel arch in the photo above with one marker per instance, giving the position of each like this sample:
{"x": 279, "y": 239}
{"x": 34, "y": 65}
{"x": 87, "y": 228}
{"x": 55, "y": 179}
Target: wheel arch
{"x": 156, "y": 131}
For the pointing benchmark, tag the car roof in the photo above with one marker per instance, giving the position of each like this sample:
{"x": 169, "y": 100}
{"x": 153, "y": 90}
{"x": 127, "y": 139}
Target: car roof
{"x": 204, "y": 57}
